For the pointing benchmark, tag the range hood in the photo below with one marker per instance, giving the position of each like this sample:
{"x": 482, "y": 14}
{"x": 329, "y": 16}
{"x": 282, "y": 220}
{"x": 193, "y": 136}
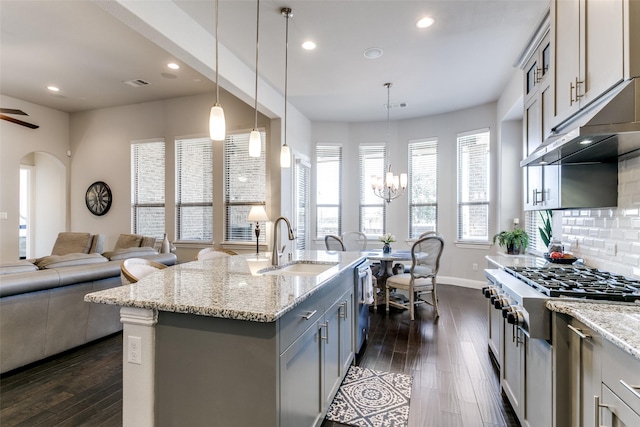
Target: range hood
{"x": 606, "y": 131}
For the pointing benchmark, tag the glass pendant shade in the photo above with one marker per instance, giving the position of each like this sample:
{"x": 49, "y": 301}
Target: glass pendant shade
{"x": 255, "y": 144}
{"x": 217, "y": 127}
{"x": 285, "y": 157}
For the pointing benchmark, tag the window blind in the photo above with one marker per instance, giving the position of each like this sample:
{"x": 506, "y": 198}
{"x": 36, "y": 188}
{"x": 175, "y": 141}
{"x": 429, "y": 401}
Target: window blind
{"x": 473, "y": 186}
{"x": 194, "y": 189}
{"x": 245, "y": 186}
{"x": 328, "y": 189}
{"x": 423, "y": 186}
{"x": 302, "y": 176}
{"x": 373, "y": 209}
{"x": 147, "y": 188}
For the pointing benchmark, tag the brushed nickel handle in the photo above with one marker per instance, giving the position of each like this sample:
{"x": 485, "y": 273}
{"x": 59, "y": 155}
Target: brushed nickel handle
{"x": 578, "y": 83}
{"x": 341, "y": 314}
{"x": 578, "y": 332}
{"x": 571, "y": 100}
{"x": 632, "y": 388}
{"x": 309, "y": 314}
{"x": 596, "y": 410}
{"x": 326, "y": 327}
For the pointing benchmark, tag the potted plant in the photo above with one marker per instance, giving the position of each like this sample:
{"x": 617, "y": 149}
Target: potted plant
{"x": 545, "y": 230}
{"x": 515, "y": 241}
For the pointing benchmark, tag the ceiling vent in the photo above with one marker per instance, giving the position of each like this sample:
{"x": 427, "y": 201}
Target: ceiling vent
{"x": 137, "y": 82}
{"x": 395, "y": 105}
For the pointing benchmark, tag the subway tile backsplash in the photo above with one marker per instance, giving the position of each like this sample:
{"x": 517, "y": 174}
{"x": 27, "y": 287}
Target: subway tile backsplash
{"x": 609, "y": 238}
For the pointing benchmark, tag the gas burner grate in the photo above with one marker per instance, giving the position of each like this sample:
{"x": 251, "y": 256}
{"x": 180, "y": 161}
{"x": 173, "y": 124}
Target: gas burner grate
{"x": 578, "y": 282}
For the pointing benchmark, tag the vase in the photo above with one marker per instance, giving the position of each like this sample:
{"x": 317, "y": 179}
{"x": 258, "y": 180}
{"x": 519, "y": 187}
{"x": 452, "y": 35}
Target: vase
{"x": 165, "y": 247}
{"x": 386, "y": 248}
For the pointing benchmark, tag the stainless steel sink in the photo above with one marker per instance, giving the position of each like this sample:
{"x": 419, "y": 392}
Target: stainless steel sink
{"x": 299, "y": 268}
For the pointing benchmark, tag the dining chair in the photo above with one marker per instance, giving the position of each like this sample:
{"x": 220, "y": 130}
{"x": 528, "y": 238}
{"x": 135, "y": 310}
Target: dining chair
{"x": 354, "y": 241}
{"x": 333, "y": 243}
{"x": 208, "y": 253}
{"x": 421, "y": 279}
{"x": 134, "y": 269}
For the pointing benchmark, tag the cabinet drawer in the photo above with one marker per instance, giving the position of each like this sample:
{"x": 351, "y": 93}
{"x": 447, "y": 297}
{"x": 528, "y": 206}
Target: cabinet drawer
{"x": 295, "y": 322}
{"x": 616, "y": 413}
{"x": 621, "y": 373}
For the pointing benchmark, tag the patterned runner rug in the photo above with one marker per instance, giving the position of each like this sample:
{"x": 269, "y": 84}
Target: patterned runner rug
{"x": 369, "y": 398}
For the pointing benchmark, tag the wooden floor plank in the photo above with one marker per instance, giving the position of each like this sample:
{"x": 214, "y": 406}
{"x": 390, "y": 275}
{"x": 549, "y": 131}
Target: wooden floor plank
{"x": 455, "y": 383}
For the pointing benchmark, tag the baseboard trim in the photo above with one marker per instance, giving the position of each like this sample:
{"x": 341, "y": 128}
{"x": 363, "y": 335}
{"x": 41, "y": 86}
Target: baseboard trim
{"x": 457, "y": 281}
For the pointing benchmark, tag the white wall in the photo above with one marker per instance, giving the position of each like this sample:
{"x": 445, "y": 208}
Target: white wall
{"x": 16, "y": 141}
{"x": 457, "y": 262}
{"x": 101, "y": 141}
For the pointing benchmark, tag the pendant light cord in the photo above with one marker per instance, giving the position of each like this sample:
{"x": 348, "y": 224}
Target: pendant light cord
{"x": 257, "y": 48}
{"x": 388, "y": 85}
{"x": 287, "y": 14}
{"x": 217, "y": 85}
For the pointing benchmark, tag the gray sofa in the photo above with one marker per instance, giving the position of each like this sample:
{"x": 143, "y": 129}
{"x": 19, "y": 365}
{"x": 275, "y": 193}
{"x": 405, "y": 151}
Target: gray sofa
{"x": 42, "y": 308}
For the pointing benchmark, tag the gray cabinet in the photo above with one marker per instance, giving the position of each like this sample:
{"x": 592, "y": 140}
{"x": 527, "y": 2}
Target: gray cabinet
{"x": 595, "y": 47}
{"x": 577, "y": 362}
{"x": 313, "y": 366}
{"x": 620, "y": 400}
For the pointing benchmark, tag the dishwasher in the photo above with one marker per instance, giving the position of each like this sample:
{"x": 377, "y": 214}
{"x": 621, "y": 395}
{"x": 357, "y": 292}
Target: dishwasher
{"x": 361, "y": 327}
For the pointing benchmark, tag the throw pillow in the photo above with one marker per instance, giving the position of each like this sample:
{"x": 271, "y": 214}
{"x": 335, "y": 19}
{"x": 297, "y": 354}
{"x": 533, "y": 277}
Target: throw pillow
{"x": 72, "y": 242}
{"x": 128, "y": 241}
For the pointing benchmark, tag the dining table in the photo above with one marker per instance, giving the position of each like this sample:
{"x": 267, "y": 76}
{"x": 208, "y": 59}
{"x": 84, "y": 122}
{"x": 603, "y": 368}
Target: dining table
{"x": 388, "y": 261}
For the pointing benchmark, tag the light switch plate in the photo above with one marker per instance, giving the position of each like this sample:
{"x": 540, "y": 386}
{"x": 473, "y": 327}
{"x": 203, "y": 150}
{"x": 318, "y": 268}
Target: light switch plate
{"x": 3, "y": 215}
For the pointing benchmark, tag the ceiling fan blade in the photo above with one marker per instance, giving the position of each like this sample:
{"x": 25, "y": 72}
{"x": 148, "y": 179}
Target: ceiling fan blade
{"x": 19, "y": 122}
{"x": 13, "y": 111}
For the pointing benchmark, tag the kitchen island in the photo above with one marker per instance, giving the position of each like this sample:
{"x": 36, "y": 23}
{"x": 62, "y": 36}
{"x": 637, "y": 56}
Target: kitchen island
{"x": 234, "y": 342}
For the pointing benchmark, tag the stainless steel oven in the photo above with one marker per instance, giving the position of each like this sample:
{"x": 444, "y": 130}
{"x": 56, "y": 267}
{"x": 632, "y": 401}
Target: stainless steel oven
{"x": 521, "y": 333}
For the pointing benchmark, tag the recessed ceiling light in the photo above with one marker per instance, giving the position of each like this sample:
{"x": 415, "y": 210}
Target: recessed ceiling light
{"x": 53, "y": 88}
{"x": 372, "y": 53}
{"x": 173, "y": 66}
{"x": 308, "y": 45}
{"x": 425, "y": 22}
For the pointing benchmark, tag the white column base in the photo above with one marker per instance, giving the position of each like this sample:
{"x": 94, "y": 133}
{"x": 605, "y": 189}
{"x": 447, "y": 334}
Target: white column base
{"x": 138, "y": 366}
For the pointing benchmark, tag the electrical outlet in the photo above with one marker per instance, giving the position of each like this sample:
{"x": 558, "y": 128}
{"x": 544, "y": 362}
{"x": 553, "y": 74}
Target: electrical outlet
{"x": 134, "y": 350}
{"x": 475, "y": 267}
{"x": 3, "y": 215}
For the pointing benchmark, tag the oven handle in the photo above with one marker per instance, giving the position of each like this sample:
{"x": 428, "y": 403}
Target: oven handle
{"x": 597, "y": 405}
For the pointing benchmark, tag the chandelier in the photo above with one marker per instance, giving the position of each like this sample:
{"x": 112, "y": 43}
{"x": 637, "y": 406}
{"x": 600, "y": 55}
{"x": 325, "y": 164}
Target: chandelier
{"x": 390, "y": 186}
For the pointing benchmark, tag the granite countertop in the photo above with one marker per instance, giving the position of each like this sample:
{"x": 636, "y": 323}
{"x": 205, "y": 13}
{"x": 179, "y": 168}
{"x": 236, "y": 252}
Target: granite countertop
{"x": 227, "y": 287}
{"x": 619, "y": 323}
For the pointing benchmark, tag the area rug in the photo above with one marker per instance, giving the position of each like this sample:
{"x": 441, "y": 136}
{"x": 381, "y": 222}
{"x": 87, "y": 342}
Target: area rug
{"x": 369, "y": 398}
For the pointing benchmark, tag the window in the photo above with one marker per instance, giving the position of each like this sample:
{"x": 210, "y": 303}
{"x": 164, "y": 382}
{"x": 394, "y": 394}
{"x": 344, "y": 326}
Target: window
{"x": 329, "y": 190}
{"x": 423, "y": 187}
{"x": 244, "y": 186}
{"x": 372, "y": 208}
{"x": 147, "y": 188}
{"x": 302, "y": 173}
{"x": 194, "y": 189}
{"x": 473, "y": 186}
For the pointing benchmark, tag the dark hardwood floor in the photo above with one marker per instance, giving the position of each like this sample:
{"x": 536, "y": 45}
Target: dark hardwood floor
{"x": 454, "y": 381}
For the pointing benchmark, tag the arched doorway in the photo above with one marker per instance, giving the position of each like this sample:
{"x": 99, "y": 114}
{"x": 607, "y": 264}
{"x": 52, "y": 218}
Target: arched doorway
{"x": 43, "y": 206}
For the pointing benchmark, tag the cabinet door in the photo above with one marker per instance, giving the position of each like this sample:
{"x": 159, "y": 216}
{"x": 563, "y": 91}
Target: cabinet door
{"x": 345, "y": 332}
{"x": 300, "y": 386}
{"x": 565, "y": 15}
{"x": 511, "y": 371}
{"x": 330, "y": 331}
{"x": 538, "y": 402}
{"x": 603, "y": 48}
{"x": 577, "y": 370}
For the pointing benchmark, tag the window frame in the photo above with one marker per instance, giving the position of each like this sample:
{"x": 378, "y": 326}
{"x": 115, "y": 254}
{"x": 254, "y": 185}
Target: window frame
{"x": 135, "y": 205}
{"x": 330, "y": 149}
{"x": 371, "y": 149}
{"x": 414, "y": 145}
{"x": 482, "y": 135}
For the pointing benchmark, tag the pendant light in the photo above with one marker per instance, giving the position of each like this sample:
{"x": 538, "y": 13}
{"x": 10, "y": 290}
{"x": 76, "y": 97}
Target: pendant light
{"x": 255, "y": 142}
{"x": 217, "y": 126}
{"x": 391, "y": 186}
{"x": 285, "y": 153}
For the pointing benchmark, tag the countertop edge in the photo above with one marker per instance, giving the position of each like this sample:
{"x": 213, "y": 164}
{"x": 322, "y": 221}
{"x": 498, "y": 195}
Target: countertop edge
{"x": 585, "y": 313}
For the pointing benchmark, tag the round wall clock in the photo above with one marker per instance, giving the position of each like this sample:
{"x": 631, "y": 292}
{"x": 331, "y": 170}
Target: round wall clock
{"x": 98, "y": 198}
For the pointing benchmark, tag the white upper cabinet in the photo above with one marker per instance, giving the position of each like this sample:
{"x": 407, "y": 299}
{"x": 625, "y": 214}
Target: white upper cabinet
{"x": 592, "y": 50}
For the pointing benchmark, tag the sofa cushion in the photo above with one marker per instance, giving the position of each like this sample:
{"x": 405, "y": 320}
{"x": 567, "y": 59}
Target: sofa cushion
{"x": 128, "y": 241}
{"x": 72, "y": 242}
{"x": 125, "y": 253}
{"x": 68, "y": 260}
{"x": 17, "y": 267}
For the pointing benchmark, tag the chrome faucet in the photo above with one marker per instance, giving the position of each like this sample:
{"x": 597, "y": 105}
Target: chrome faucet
{"x": 275, "y": 254}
